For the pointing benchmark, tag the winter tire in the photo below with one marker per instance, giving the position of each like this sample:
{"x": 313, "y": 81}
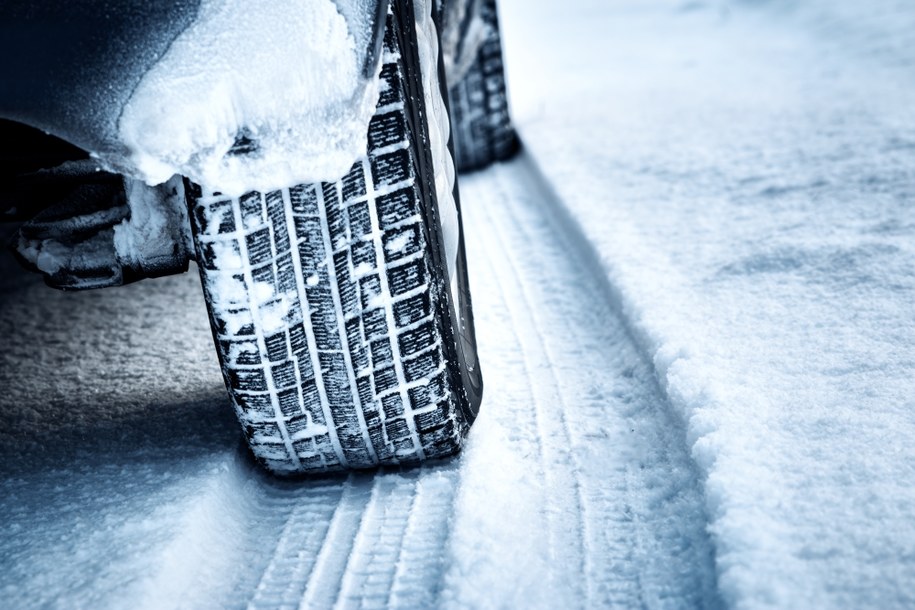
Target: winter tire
{"x": 332, "y": 304}
{"x": 483, "y": 132}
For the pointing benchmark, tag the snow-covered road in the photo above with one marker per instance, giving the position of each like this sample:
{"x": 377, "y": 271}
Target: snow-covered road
{"x": 123, "y": 477}
{"x": 694, "y": 297}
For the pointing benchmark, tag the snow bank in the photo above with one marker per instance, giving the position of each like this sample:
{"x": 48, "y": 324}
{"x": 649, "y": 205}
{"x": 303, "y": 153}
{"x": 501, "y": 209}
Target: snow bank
{"x": 744, "y": 172}
{"x": 254, "y": 95}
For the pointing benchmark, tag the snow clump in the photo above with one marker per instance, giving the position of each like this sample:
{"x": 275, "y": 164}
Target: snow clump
{"x": 254, "y": 95}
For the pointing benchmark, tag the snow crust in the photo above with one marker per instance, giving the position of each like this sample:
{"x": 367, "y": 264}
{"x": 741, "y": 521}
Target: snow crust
{"x": 283, "y": 80}
{"x": 743, "y": 174}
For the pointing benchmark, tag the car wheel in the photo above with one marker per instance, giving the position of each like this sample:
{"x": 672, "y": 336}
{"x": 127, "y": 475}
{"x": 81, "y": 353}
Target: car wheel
{"x": 344, "y": 333}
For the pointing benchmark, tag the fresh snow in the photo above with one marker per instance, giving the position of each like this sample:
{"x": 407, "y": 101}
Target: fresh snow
{"x": 744, "y": 172}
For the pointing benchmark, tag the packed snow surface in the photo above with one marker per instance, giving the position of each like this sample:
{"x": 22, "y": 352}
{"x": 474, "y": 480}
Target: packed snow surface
{"x": 254, "y": 95}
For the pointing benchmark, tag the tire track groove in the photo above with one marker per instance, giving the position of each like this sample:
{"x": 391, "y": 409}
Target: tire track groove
{"x": 642, "y": 521}
{"x": 283, "y": 580}
{"x": 373, "y": 560}
{"x": 563, "y": 494}
{"x": 326, "y": 579}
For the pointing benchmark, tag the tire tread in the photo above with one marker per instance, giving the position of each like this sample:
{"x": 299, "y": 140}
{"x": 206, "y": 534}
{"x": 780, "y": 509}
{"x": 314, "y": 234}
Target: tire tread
{"x": 353, "y": 371}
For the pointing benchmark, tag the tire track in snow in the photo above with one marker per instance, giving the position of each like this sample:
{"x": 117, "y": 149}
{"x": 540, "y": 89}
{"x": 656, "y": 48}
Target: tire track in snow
{"x": 325, "y": 582}
{"x": 370, "y": 571}
{"x": 298, "y": 546}
{"x": 425, "y": 539}
{"x": 641, "y": 523}
{"x": 563, "y": 493}
{"x": 370, "y": 540}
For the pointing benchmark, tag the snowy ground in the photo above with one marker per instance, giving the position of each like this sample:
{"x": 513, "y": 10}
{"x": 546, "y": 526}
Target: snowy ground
{"x": 694, "y": 295}
{"x": 123, "y": 478}
{"x": 745, "y": 172}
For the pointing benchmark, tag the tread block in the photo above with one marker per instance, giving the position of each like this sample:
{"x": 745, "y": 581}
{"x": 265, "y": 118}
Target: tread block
{"x": 329, "y": 196}
{"x": 260, "y": 246}
{"x": 364, "y": 256}
{"x": 276, "y": 347}
{"x": 264, "y": 275}
{"x": 336, "y": 225}
{"x": 403, "y": 242}
{"x": 391, "y": 167}
{"x": 324, "y": 323}
{"x": 281, "y": 243}
{"x": 298, "y": 425}
{"x": 284, "y": 376}
{"x": 310, "y": 462}
{"x": 289, "y": 402}
{"x": 387, "y": 130}
{"x": 393, "y": 406}
{"x": 407, "y": 277}
{"x": 392, "y": 92}
{"x": 311, "y": 401}
{"x": 396, "y": 205}
{"x": 404, "y": 445}
{"x": 360, "y": 219}
{"x": 266, "y": 432}
{"x": 258, "y": 405}
{"x": 428, "y": 393}
{"x": 304, "y": 366}
{"x": 305, "y": 447}
{"x": 248, "y": 380}
{"x": 385, "y": 379}
{"x": 440, "y": 435}
{"x": 397, "y": 428}
{"x": 364, "y": 386}
{"x": 252, "y": 210}
{"x": 353, "y": 184}
{"x": 412, "y": 309}
{"x": 370, "y": 291}
{"x": 417, "y": 339}
{"x": 335, "y": 384}
{"x": 382, "y": 354}
{"x": 374, "y": 324}
{"x": 298, "y": 341}
{"x": 360, "y": 354}
{"x": 285, "y": 274}
{"x": 304, "y": 200}
{"x": 242, "y": 353}
{"x": 430, "y": 420}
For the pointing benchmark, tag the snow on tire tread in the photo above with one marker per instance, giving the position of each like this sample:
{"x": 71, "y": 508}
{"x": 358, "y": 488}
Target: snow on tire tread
{"x": 361, "y": 378}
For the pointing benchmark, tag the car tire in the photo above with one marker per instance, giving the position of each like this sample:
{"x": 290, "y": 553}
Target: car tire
{"x": 483, "y": 131}
{"x": 332, "y": 305}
